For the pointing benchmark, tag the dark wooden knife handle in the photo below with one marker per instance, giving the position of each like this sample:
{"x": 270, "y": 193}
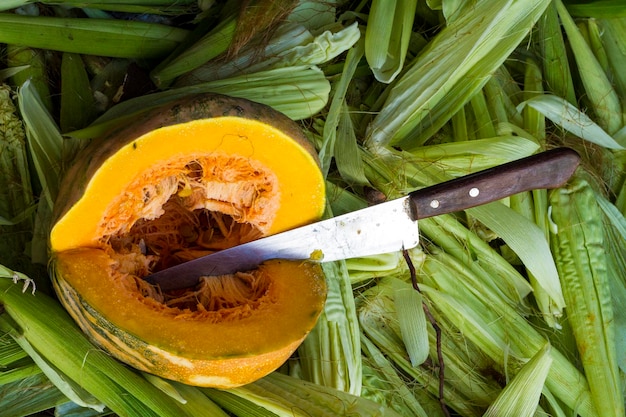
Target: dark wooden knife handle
{"x": 550, "y": 169}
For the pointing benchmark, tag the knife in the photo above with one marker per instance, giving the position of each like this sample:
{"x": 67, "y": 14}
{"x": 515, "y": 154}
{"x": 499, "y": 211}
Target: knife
{"x": 382, "y": 228}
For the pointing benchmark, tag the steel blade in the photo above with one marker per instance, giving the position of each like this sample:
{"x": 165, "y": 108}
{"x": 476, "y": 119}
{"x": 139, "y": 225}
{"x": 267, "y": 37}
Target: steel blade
{"x": 383, "y": 228}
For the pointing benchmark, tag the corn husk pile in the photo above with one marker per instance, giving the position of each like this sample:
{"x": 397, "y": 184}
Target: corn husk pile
{"x": 516, "y": 308}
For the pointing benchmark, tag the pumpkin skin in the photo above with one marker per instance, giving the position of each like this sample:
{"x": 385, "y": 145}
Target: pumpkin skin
{"x": 243, "y": 166}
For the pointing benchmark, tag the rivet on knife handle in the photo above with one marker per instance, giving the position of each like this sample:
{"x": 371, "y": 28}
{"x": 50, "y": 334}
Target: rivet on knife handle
{"x": 550, "y": 169}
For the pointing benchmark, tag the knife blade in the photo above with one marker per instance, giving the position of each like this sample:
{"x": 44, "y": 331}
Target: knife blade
{"x": 383, "y": 228}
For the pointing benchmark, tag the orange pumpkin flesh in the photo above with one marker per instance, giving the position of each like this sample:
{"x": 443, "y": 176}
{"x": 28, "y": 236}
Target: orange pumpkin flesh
{"x": 186, "y": 180}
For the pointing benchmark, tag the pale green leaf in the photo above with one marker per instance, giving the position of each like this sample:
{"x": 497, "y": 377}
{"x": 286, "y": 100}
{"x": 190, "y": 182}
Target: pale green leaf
{"x": 291, "y": 46}
{"x": 521, "y": 396}
{"x": 29, "y": 396}
{"x": 601, "y": 95}
{"x": 105, "y": 37}
{"x": 347, "y": 156}
{"x": 412, "y": 321}
{"x": 570, "y": 118}
{"x": 529, "y": 243}
{"x": 453, "y": 67}
{"x": 387, "y": 36}
{"x": 44, "y": 139}
{"x": 298, "y": 92}
{"x": 69, "y": 388}
{"x": 327, "y": 148}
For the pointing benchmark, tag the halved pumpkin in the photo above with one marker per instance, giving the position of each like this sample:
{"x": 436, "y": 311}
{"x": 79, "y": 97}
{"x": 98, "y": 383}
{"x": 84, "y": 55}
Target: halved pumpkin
{"x": 181, "y": 181}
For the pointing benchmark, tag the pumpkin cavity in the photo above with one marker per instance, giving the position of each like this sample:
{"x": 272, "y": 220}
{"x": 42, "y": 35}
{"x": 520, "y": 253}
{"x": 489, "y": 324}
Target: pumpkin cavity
{"x": 186, "y": 208}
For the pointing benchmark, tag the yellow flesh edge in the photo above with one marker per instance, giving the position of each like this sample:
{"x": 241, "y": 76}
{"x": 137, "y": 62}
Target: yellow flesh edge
{"x": 296, "y": 297}
{"x": 299, "y": 179}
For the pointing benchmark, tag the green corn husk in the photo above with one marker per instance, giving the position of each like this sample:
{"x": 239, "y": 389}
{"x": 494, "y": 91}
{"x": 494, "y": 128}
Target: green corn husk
{"x": 378, "y": 319}
{"x": 533, "y": 121}
{"x": 49, "y": 152}
{"x": 298, "y": 92}
{"x": 412, "y": 321}
{"x": 529, "y": 243}
{"x": 346, "y": 153}
{"x": 331, "y": 354}
{"x": 387, "y": 36}
{"x": 52, "y": 333}
{"x": 570, "y": 118}
{"x": 452, "y": 68}
{"x": 498, "y": 329}
{"x": 105, "y": 37}
{"x": 68, "y": 387}
{"x": 17, "y": 194}
{"x": 337, "y": 109}
{"x": 555, "y": 64}
{"x": 593, "y": 37}
{"x": 615, "y": 238}
{"x": 35, "y": 72}
{"x": 582, "y": 262}
{"x": 381, "y": 377}
{"x": 239, "y": 405}
{"x": 129, "y": 6}
{"x": 602, "y": 97}
{"x": 29, "y": 396}
{"x": 17, "y": 201}
{"x": 288, "y": 396}
{"x": 597, "y": 8}
{"x": 501, "y": 105}
{"x": 514, "y": 229}
{"x": 291, "y": 45}
{"x": 483, "y": 120}
{"x": 77, "y": 103}
{"x": 211, "y": 45}
{"x": 613, "y": 33}
{"x": 520, "y": 397}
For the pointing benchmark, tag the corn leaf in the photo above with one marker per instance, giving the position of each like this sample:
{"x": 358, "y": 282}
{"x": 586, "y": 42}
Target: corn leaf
{"x": 68, "y": 387}
{"x": 45, "y": 141}
{"x": 330, "y": 355}
{"x": 327, "y": 148}
{"x": 381, "y": 377}
{"x": 105, "y": 37}
{"x": 555, "y": 64}
{"x": 387, "y": 36}
{"x": 77, "y": 104}
{"x": 477, "y": 41}
{"x": 570, "y": 118}
{"x": 412, "y": 321}
{"x": 602, "y": 97}
{"x": 298, "y": 92}
{"x": 130, "y": 6}
{"x": 529, "y": 243}
{"x": 53, "y": 334}
{"x": 29, "y": 396}
{"x": 292, "y": 45}
{"x": 581, "y": 257}
{"x": 288, "y": 396}
{"x": 521, "y": 396}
